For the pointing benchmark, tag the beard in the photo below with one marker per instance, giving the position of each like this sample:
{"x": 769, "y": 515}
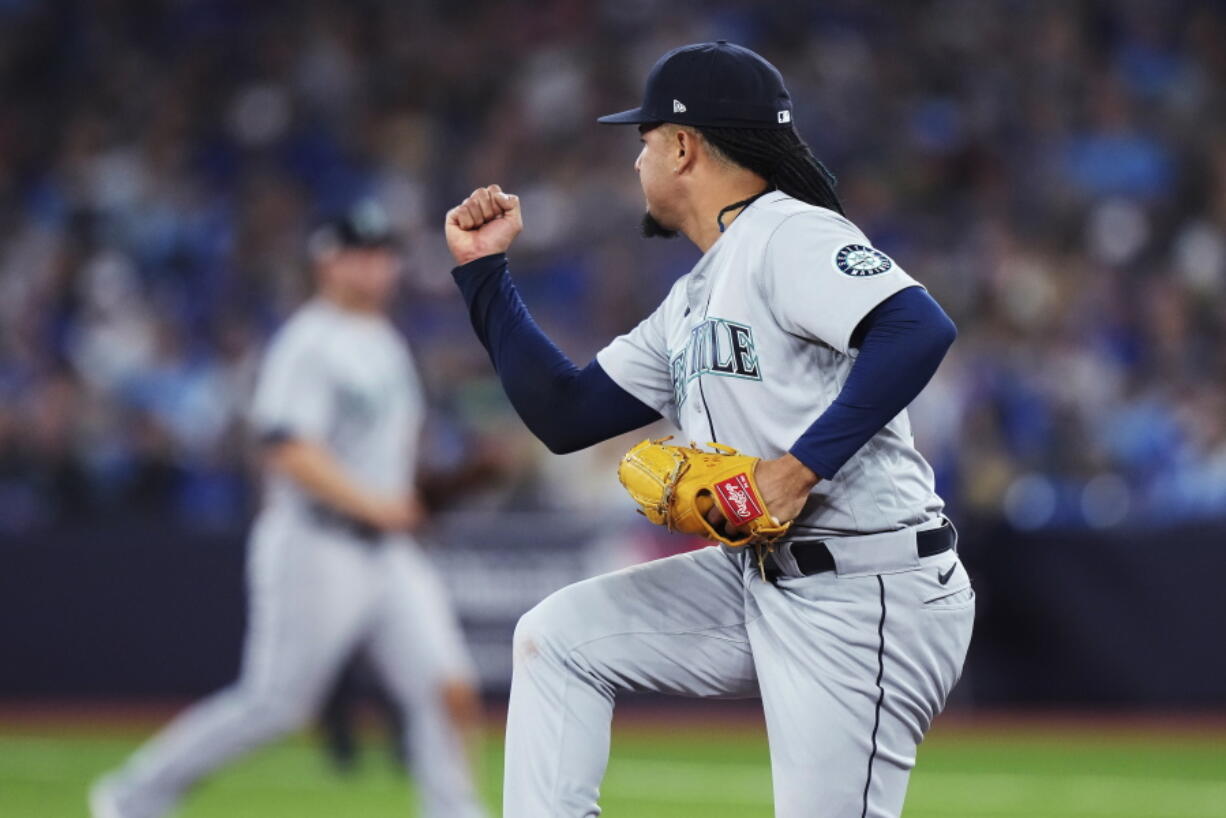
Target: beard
{"x": 652, "y": 229}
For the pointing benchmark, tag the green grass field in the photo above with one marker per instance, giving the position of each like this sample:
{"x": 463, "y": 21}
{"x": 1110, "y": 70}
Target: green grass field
{"x": 671, "y": 771}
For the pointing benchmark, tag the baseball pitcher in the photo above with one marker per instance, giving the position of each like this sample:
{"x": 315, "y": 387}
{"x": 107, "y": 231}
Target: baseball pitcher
{"x": 787, "y": 357}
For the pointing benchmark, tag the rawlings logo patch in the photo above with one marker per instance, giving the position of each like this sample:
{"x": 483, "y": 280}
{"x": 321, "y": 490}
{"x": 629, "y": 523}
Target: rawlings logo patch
{"x": 736, "y": 499}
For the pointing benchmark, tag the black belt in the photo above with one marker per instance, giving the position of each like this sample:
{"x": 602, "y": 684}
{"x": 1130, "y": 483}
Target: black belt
{"x": 814, "y": 557}
{"x": 344, "y": 524}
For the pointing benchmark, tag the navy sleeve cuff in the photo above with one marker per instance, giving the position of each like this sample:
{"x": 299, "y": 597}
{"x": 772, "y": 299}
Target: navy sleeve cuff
{"x": 479, "y": 269}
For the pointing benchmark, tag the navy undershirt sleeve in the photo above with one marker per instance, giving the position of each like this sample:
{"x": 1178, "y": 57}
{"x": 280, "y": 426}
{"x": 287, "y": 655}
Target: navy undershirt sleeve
{"x": 568, "y": 408}
{"x": 902, "y": 342}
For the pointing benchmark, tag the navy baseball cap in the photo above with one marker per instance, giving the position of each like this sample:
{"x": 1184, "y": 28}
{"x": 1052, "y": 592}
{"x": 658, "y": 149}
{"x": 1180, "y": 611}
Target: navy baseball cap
{"x": 363, "y": 225}
{"x": 719, "y": 85}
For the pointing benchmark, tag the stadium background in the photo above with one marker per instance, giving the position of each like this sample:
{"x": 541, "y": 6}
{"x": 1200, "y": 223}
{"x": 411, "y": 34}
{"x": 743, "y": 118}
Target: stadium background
{"x": 1055, "y": 172}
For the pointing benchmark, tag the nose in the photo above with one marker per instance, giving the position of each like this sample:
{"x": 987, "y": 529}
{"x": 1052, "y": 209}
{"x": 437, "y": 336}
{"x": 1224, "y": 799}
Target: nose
{"x": 638, "y": 160}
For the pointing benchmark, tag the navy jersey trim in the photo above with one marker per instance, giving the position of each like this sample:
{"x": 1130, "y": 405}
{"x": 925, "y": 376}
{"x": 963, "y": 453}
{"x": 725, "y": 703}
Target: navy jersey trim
{"x": 868, "y": 780}
{"x": 702, "y": 393}
{"x": 706, "y": 408}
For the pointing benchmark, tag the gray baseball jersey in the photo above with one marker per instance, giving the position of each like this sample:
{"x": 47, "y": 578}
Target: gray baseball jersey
{"x": 347, "y": 382}
{"x": 753, "y": 344}
{"x": 852, "y": 664}
{"x": 318, "y": 588}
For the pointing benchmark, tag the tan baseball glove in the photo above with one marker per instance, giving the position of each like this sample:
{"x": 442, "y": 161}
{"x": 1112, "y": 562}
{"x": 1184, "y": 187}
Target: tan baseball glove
{"x": 675, "y": 486}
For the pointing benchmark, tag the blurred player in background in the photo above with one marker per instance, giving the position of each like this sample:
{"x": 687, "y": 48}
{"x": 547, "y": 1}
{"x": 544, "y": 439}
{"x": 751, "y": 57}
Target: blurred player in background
{"x": 332, "y": 568}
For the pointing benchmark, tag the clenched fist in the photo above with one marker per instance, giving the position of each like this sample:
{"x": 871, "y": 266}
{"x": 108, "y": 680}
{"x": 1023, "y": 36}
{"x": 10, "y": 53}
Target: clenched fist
{"x": 483, "y": 224}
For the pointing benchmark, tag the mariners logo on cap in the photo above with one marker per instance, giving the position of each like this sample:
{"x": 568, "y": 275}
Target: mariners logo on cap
{"x": 860, "y": 261}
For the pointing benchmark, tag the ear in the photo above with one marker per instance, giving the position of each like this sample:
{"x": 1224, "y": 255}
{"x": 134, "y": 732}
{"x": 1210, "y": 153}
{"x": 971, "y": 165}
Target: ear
{"x": 685, "y": 148}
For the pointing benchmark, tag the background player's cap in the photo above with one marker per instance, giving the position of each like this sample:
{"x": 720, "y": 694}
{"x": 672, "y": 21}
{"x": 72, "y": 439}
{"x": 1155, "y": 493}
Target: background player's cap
{"x": 719, "y": 85}
{"x": 363, "y": 225}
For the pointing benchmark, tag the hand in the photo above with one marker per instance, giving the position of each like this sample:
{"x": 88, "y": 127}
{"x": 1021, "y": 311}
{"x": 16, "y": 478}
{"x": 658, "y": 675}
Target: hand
{"x": 483, "y": 224}
{"x": 785, "y": 484}
{"x": 396, "y": 514}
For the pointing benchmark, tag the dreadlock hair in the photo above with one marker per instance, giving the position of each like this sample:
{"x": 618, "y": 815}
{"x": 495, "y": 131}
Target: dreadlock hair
{"x": 781, "y": 157}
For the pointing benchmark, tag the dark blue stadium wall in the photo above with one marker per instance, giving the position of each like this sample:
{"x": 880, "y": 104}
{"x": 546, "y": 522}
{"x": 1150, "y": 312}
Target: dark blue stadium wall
{"x": 139, "y": 609}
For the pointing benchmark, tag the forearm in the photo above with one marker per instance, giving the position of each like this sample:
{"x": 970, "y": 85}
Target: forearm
{"x": 318, "y": 473}
{"x": 568, "y": 408}
{"x": 904, "y": 340}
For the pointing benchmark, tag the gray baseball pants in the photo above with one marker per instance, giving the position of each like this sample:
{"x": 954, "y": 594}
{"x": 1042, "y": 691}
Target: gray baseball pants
{"x": 315, "y": 595}
{"x": 851, "y": 665}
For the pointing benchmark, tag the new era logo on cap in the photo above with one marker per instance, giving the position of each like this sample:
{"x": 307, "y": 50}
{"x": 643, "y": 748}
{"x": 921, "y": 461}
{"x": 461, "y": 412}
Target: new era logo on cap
{"x": 678, "y": 106}
{"x": 785, "y": 116}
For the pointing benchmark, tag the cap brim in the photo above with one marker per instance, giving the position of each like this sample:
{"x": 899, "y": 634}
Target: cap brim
{"x": 635, "y": 116}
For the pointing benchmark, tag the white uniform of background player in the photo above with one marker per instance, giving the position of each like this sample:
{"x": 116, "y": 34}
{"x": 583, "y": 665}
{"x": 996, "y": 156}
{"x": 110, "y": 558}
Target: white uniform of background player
{"x": 330, "y": 565}
{"x": 852, "y": 661}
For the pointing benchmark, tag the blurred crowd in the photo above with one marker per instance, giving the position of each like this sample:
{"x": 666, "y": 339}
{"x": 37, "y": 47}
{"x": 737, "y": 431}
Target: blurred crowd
{"x": 1054, "y": 172}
